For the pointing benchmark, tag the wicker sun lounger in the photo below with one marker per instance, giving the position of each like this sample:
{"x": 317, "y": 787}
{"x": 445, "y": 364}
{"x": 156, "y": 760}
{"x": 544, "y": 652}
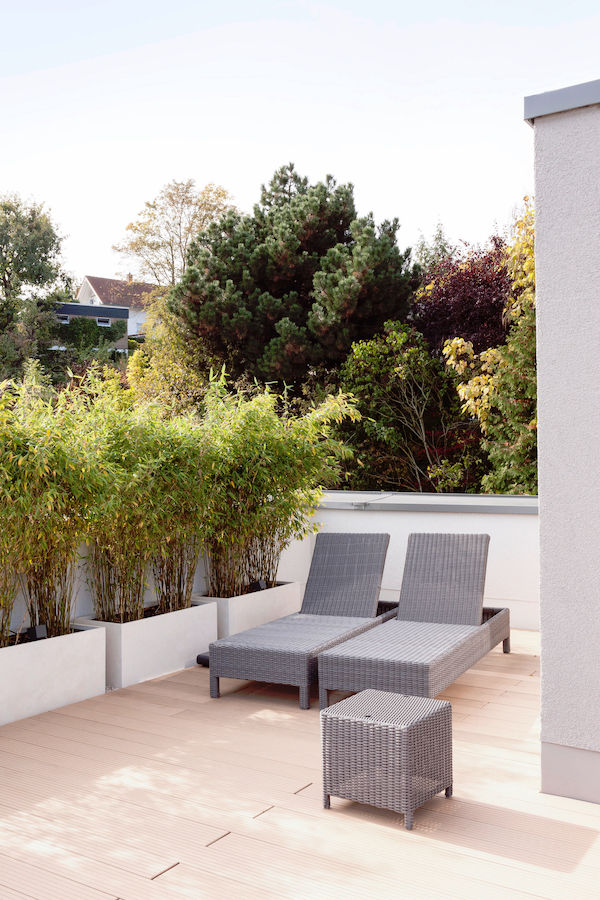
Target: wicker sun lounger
{"x": 340, "y": 601}
{"x": 441, "y": 628}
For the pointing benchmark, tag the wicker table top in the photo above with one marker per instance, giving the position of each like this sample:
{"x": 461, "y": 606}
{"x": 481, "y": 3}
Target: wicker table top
{"x": 385, "y": 708}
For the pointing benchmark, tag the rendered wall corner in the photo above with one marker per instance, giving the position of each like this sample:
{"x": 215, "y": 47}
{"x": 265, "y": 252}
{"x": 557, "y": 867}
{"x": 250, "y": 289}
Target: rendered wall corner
{"x": 567, "y": 197}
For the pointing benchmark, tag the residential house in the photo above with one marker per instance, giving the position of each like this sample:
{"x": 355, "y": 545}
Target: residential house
{"x": 107, "y": 316}
{"x": 133, "y": 295}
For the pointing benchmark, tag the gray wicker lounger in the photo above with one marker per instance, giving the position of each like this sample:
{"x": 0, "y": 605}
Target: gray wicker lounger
{"x": 340, "y": 601}
{"x": 441, "y": 628}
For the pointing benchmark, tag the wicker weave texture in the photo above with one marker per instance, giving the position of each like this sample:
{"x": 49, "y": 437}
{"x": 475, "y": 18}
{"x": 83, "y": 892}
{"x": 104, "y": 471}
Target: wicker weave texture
{"x": 345, "y": 574}
{"x": 387, "y": 750}
{"x": 285, "y": 651}
{"x": 286, "y": 647}
{"x": 418, "y": 658}
{"x": 444, "y": 578}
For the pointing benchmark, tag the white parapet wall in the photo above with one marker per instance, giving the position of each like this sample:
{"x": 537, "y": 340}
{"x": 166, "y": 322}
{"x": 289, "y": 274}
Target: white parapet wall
{"x": 511, "y": 521}
{"x": 567, "y": 249}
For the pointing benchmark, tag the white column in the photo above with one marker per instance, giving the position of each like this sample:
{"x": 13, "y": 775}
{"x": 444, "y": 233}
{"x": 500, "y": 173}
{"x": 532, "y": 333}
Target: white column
{"x": 567, "y": 198}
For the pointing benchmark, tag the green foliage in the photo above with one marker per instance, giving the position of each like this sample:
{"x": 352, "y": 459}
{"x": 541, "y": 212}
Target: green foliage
{"x": 29, "y": 271}
{"x": 265, "y": 471}
{"x": 276, "y": 294}
{"x": 150, "y": 512}
{"x": 500, "y": 388}
{"x": 30, "y": 336}
{"x": 166, "y": 369}
{"x": 47, "y": 484}
{"x": 29, "y": 249}
{"x": 511, "y": 435}
{"x": 84, "y": 339}
{"x": 429, "y": 254}
{"x": 36, "y": 333}
{"x": 148, "y": 490}
{"x": 242, "y": 481}
{"x": 412, "y": 435}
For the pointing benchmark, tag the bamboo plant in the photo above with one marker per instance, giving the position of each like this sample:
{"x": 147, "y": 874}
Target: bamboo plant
{"x": 266, "y": 469}
{"x": 150, "y": 517}
{"x": 118, "y": 533}
{"x": 180, "y": 489}
{"x": 46, "y": 488}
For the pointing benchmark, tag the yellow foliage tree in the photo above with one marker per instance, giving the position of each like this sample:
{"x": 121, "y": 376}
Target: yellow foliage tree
{"x": 159, "y": 239}
{"x": 167, "y": 370}
{"x": 483, "y": 369}
{"x": 500, "y": 390}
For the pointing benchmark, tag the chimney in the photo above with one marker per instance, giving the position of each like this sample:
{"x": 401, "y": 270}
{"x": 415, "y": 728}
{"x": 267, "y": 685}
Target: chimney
{"x": 129, "y": 278}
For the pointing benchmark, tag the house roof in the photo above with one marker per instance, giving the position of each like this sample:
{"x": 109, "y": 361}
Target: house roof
{"x": 82, "y": 309}
{"x": 114, "y": 292}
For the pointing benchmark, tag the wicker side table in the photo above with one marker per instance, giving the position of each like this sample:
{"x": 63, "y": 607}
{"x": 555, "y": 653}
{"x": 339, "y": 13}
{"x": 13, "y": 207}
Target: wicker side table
{"x": 388, "y": 750}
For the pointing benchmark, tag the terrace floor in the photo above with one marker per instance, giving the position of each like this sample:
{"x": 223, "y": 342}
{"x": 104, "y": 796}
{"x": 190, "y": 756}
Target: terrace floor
{"x": 156, "y": 792}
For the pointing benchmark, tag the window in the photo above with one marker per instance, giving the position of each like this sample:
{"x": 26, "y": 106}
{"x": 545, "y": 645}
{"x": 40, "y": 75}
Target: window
{"x": 104, "y": 322}
{"x": 64, "y": 320}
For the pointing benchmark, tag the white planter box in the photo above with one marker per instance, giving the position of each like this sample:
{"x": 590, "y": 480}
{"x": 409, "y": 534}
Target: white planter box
{"x": 137, "y": 651}
{"x": 235, "y": 614}
{"x": 43, "y": 675}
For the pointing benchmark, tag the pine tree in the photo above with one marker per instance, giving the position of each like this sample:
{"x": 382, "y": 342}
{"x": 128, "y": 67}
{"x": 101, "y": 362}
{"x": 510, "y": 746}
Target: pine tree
{"x": 286, "y": 290}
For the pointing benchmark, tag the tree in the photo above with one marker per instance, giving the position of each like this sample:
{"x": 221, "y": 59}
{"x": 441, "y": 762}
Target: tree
{"x": 501, "y": 389}
{"x": 465, "y": 297}
{"x": 412, "y": 435}
{"x": 166, "y": 369}
{"x": 439, "y": 248}
{"x": 159, "y": 240}
{"x": 287, "y": 289}
{"x": 266, "y": 468}
{"x": 511, "y": 435}
{"x": 29, "y": 336}
{"x": 29, "y": 253}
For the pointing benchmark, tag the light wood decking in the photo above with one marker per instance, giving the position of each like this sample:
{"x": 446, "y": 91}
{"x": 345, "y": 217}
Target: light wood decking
{"x": 156, "y": 792}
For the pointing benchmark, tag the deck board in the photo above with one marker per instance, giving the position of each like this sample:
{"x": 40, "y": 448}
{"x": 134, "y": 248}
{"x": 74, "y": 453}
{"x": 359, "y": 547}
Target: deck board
{"x": 157, "y": 792}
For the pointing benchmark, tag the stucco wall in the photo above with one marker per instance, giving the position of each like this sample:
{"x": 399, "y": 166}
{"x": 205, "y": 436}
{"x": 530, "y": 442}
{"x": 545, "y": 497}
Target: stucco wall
{"x": 513, "y": 562}
{"x": 137, "y": 319}
{"x": 567, "y": 162}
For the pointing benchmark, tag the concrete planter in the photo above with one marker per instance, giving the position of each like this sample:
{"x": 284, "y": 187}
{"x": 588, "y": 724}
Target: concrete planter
{"x": 137, "y": 651}
{"x": 44, "y": 675}
{"x": 235, "y": 614}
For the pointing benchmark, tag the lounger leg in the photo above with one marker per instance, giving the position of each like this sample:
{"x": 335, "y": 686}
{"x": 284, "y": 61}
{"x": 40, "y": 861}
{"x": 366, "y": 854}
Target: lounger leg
{"x": 326, "y": 801}
{"x": 506, "y": 645}
{"x": 214, "y": 686}
{"x": 449, "y": 791}
{"x": 408, "y": 821}
{"x": 323, "y": 697}
{"x": 304, "y": 696}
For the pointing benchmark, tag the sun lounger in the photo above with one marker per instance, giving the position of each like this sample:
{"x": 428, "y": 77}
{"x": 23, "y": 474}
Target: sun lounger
{"x": 340, "y": 601}
{"x": 441, "y": 628}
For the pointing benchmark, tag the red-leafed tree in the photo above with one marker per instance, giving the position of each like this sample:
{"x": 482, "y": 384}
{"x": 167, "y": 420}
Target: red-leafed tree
{"x": 465, "y": 297}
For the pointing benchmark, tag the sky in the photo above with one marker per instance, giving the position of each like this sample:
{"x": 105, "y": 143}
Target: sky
{"x": 418, "y": 105}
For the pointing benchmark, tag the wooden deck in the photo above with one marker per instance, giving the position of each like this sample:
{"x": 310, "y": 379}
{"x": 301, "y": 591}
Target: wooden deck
{"x": 157, "y": 792}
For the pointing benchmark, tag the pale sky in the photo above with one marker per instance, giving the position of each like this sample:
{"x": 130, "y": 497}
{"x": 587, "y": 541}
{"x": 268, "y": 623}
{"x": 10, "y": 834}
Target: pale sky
{"x": 419, "y": 105}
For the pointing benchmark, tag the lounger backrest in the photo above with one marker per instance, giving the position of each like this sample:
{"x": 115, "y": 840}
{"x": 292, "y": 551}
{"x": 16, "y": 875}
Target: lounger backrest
{"x": 345, "y": 575}
{"x": 444, "y": 578}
